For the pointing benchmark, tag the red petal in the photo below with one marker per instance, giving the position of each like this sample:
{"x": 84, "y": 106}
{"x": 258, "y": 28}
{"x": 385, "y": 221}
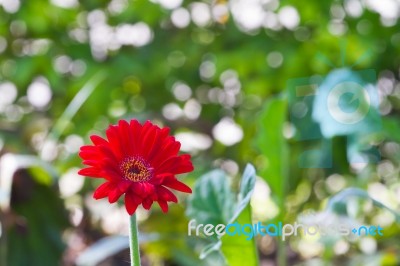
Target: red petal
{"x": 108, "y": 152}
{"x": 176, "y": 165}
{"x": 124, "y": 186}
{"x": 159, "y": 179}
{"x": 122, "y": 123}
{"x": 166, "y": 194}
{"x": 135, "y": 129}
{"x": 151, "y": 141}
{"x": 146, "y": 142}
{"x": 148, "y": 188}
{"x": 143, "y": 189}
{"x": 114, "y": 139}
{"x": 88, "y": 148}
{"x": 177, "y": 185}
{"x": 164, "y": 205}
{"x": 137, "y": 189}
{"x": 131, "y": 203}
{"x": 88, "y": 154}
{"x": 103, "y": 190}
{"x": 169, "y": 149}
{"x": 114, "y": 195}
{"x": 157, "y": 146}
{"x": 98, "y": 140}
{"x": 126, "y": 137}
{"x": 109, "y": 164}
{"x": 91, "y": 162}
{"x": 110, "y": 174}
{"x": 147, "y": 203}
{"x": 165, "y": 132}
{"x": 91, "y": 171}
{"x": 186, "y": 164}
{"x": 123, "y": 137}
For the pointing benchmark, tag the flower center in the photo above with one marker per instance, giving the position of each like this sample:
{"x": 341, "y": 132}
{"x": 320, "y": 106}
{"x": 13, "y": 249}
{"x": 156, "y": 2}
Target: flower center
{"x": 136, "y": 169}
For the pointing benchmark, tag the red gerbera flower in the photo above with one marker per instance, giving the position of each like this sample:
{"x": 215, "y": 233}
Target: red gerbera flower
{"x": 138, "y": 160}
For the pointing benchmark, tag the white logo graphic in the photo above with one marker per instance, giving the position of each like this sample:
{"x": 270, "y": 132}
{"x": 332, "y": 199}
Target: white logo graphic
{"x": 360, "y": 98}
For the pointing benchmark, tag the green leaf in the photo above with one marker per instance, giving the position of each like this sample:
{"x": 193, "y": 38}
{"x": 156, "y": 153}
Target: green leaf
{"x": 76, "y": 104}
{"x": 245, "y": 191}
{"x": 215, "y": 246}
{"x": 272, "y": 144}
{"x": 212, "y": 201}
{"x": 237, "y": 250}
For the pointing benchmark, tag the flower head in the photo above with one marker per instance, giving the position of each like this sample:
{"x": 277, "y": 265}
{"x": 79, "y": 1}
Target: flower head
{"x": 140, "y": 161}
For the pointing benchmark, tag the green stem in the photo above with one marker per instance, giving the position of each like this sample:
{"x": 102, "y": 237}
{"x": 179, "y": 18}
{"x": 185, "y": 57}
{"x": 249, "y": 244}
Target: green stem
{"x": 134, "y": 242}
{"x": 282, "y": 260}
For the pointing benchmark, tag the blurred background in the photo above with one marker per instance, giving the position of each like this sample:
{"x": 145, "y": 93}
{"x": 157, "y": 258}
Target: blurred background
{"x": 218, "y": 73}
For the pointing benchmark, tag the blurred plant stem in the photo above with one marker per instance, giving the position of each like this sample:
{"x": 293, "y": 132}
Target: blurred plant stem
{"x": 282, "y": 254}
{"x": 134, "y": 242}
{"x": 282, "y": 261}
{"x": 3, "y": 242}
